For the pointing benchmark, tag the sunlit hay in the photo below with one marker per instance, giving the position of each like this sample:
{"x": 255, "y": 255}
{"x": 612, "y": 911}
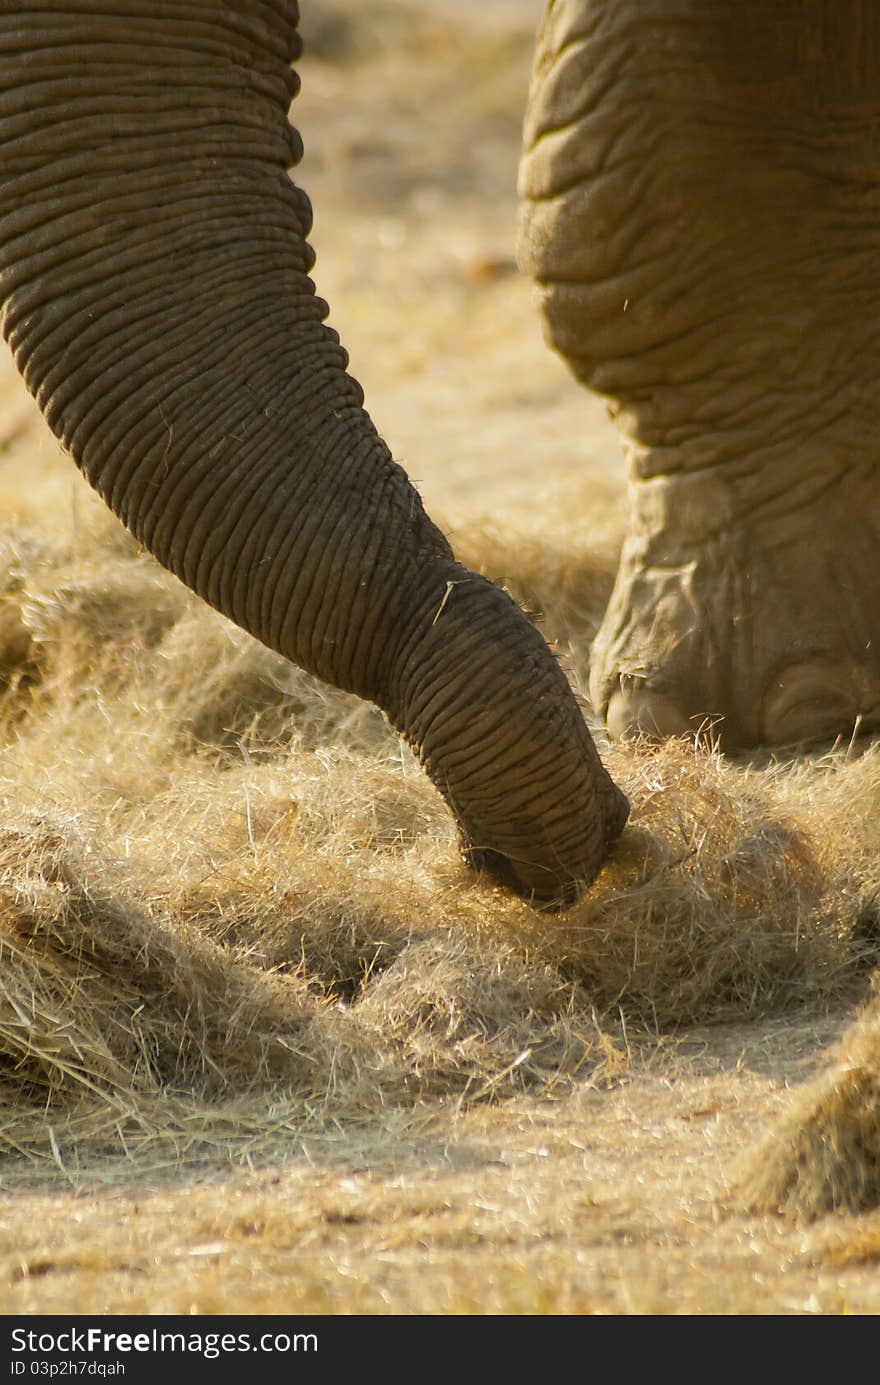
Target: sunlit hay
{"x": 333, "y": 867}
{"x": 563, "y": 572}
{"x": 712, "y": 905}
{"x": 165, "y": 1007}
{"x": 124, "y": 1037}
{"x": 223, "y": 689}
{"x": 316, "y": 865}
{"x": 825, "y": 1154}
{"x": 338, "y": 868}
{"x": 65, "y": 618}
{"x": 287, "y": 887}
{"x": 484, "y": 1021}
{"x": 19, "y": 655}
{"x": 839, "y": 794}
{"x": 103, "y": 617}
{"x": 30, "y": 563}
{"x": 236, "y": 887}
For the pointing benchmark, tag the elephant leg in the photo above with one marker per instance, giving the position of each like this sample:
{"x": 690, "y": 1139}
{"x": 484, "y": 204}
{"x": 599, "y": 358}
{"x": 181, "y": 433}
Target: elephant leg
{"x": 701, "y": 191}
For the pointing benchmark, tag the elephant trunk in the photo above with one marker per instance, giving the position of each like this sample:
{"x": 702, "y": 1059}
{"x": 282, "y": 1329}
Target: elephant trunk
{"x": 155, "y": 280}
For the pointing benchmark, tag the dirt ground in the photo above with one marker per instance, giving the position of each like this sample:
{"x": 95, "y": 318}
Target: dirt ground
{"x": 614, "y": 1191}
{"x": 610, "y": 1202}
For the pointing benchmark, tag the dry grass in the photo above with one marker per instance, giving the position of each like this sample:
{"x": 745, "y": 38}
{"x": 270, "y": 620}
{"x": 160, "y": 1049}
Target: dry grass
{"x": 220, "y": 879}
{"x": 246, "y": 987}
{"x": 824, "y": 1155}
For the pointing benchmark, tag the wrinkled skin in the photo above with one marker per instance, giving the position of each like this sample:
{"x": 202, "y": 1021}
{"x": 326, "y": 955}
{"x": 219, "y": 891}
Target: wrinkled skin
{"x": 701, "y": 184}
{"x": 157, "y": 298}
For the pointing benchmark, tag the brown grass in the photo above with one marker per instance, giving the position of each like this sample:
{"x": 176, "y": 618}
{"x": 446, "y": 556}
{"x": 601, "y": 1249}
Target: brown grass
{"x": 824, "y": 1155}
{"x": 220, "y": 878}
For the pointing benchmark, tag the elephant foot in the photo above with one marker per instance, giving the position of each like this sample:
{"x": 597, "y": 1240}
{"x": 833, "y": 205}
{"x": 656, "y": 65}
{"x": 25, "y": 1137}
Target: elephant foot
{"x": 762, "y": 626}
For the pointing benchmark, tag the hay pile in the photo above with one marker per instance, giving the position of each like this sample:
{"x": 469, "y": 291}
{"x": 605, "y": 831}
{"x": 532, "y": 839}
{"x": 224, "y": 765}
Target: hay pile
{"x": 231, "y": 910}
{"x": 825, "y": 1155}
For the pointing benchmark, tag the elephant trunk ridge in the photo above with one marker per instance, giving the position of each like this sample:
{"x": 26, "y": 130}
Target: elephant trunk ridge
{"x": 157, "y": 299}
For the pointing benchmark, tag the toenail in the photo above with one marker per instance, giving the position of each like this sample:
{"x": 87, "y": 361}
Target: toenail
{"x": 638, "y": 711}
{"x": 809, "y": 701}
